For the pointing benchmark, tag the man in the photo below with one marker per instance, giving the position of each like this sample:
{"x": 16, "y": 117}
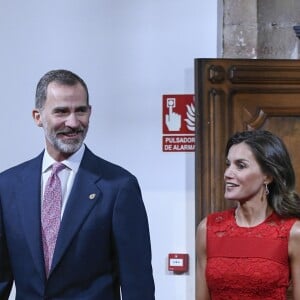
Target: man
{"x": 99, "y": 244}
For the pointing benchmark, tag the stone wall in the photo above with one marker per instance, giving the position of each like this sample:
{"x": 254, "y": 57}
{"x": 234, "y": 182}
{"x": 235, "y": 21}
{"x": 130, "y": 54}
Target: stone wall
{"x": 259, "y": 28}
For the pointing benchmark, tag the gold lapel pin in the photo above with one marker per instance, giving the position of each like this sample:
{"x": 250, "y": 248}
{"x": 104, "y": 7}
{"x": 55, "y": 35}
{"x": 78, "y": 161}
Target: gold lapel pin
{"x": 92, "y": 196}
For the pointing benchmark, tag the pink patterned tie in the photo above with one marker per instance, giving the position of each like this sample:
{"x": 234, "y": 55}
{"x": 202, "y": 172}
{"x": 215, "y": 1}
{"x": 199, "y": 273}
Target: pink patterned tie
{"x": 51, "y": 210}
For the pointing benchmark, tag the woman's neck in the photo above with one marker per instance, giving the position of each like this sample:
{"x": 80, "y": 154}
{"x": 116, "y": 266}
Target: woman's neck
{"x": 247, "y": 215}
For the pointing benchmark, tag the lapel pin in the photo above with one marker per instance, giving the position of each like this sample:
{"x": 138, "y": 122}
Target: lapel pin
{"x": 92, "y": 196}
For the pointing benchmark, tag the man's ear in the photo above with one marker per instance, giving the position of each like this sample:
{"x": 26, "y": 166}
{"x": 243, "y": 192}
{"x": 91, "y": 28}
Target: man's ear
{"x": 36, "y": 115}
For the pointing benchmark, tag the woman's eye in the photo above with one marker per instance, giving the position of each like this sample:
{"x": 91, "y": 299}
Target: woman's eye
{"x": 241, "y": 166}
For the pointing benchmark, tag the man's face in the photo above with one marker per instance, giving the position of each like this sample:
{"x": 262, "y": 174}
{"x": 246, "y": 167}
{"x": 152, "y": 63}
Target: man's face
{"x": 65, "y": 119}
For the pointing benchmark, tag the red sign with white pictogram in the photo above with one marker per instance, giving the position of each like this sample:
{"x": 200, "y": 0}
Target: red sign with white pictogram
{"x": 178, "y": 123}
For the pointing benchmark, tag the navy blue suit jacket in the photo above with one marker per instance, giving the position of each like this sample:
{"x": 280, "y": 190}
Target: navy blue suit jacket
{"x": 103, "y": 242}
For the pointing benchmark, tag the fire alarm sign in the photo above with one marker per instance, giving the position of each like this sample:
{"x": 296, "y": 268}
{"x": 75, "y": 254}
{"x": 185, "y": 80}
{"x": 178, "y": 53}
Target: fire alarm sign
{"x": 178, "y": 123}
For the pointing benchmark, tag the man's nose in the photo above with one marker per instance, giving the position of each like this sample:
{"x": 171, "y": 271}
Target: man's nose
{"x": 72, "y": 120}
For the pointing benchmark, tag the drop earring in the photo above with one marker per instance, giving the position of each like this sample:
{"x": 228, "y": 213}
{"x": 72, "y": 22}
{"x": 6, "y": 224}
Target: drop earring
{"x": 267, "y": 189}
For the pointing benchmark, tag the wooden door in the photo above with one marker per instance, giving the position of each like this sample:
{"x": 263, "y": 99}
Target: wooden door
{"x": 241, "y": 94}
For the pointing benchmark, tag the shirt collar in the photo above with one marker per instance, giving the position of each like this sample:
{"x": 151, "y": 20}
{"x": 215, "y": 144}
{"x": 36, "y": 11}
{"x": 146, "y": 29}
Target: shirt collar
{"x": 72, "y": 162}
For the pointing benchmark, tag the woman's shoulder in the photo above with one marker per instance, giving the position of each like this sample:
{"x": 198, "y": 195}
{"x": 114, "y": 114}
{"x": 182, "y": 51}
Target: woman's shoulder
{"x": 295, "y": 230}
{"x": 201, "y": 228}
{"x": 283, "y": 223}
{"x": 294, "y": 241}
{"x": 220, "y": 216}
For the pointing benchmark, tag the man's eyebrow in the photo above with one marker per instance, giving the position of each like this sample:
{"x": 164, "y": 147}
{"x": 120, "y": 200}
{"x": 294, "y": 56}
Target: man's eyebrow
{"x": 82, "y": 108}
{"x": 59, "y": 108}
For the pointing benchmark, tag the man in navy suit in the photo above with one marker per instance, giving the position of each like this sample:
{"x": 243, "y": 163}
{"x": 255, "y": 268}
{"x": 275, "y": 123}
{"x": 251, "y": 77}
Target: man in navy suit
{"x": 102, "y": 250}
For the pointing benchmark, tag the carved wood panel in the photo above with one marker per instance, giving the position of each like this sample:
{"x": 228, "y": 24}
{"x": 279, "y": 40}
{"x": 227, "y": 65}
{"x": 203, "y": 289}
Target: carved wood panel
{"x": 234, "y": 95}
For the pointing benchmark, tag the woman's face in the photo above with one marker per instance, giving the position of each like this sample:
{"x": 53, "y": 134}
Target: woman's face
{"x": 243, "y": 177}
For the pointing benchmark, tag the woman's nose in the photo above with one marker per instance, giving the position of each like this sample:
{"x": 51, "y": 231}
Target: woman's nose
{"x": 228, "y": 172}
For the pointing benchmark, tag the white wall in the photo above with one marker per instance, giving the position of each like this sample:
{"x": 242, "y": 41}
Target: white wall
{"x": 129, "y": 53}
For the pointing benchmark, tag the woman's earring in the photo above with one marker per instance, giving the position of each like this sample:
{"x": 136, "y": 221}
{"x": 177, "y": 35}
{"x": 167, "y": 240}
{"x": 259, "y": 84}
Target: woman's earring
{"x": 267, "y": 189}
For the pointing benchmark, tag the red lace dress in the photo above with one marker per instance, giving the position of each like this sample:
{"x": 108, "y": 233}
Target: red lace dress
{"x": 247, "y": 263}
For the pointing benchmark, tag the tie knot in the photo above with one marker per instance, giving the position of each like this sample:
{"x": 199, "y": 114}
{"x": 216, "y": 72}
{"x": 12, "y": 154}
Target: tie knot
{"x": 57, "y": 167}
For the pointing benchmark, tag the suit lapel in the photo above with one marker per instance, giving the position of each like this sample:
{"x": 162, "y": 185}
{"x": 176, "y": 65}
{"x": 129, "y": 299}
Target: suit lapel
{"x": 28, "y": 201}
{"x": 84, "y": 196}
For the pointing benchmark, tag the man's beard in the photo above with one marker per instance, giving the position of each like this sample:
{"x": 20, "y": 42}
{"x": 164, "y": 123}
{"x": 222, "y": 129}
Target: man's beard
{"x": 69, "y": 146}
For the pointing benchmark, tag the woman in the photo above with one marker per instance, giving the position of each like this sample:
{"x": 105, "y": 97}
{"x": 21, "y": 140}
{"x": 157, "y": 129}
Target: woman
{"x": 253, "y": 250}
